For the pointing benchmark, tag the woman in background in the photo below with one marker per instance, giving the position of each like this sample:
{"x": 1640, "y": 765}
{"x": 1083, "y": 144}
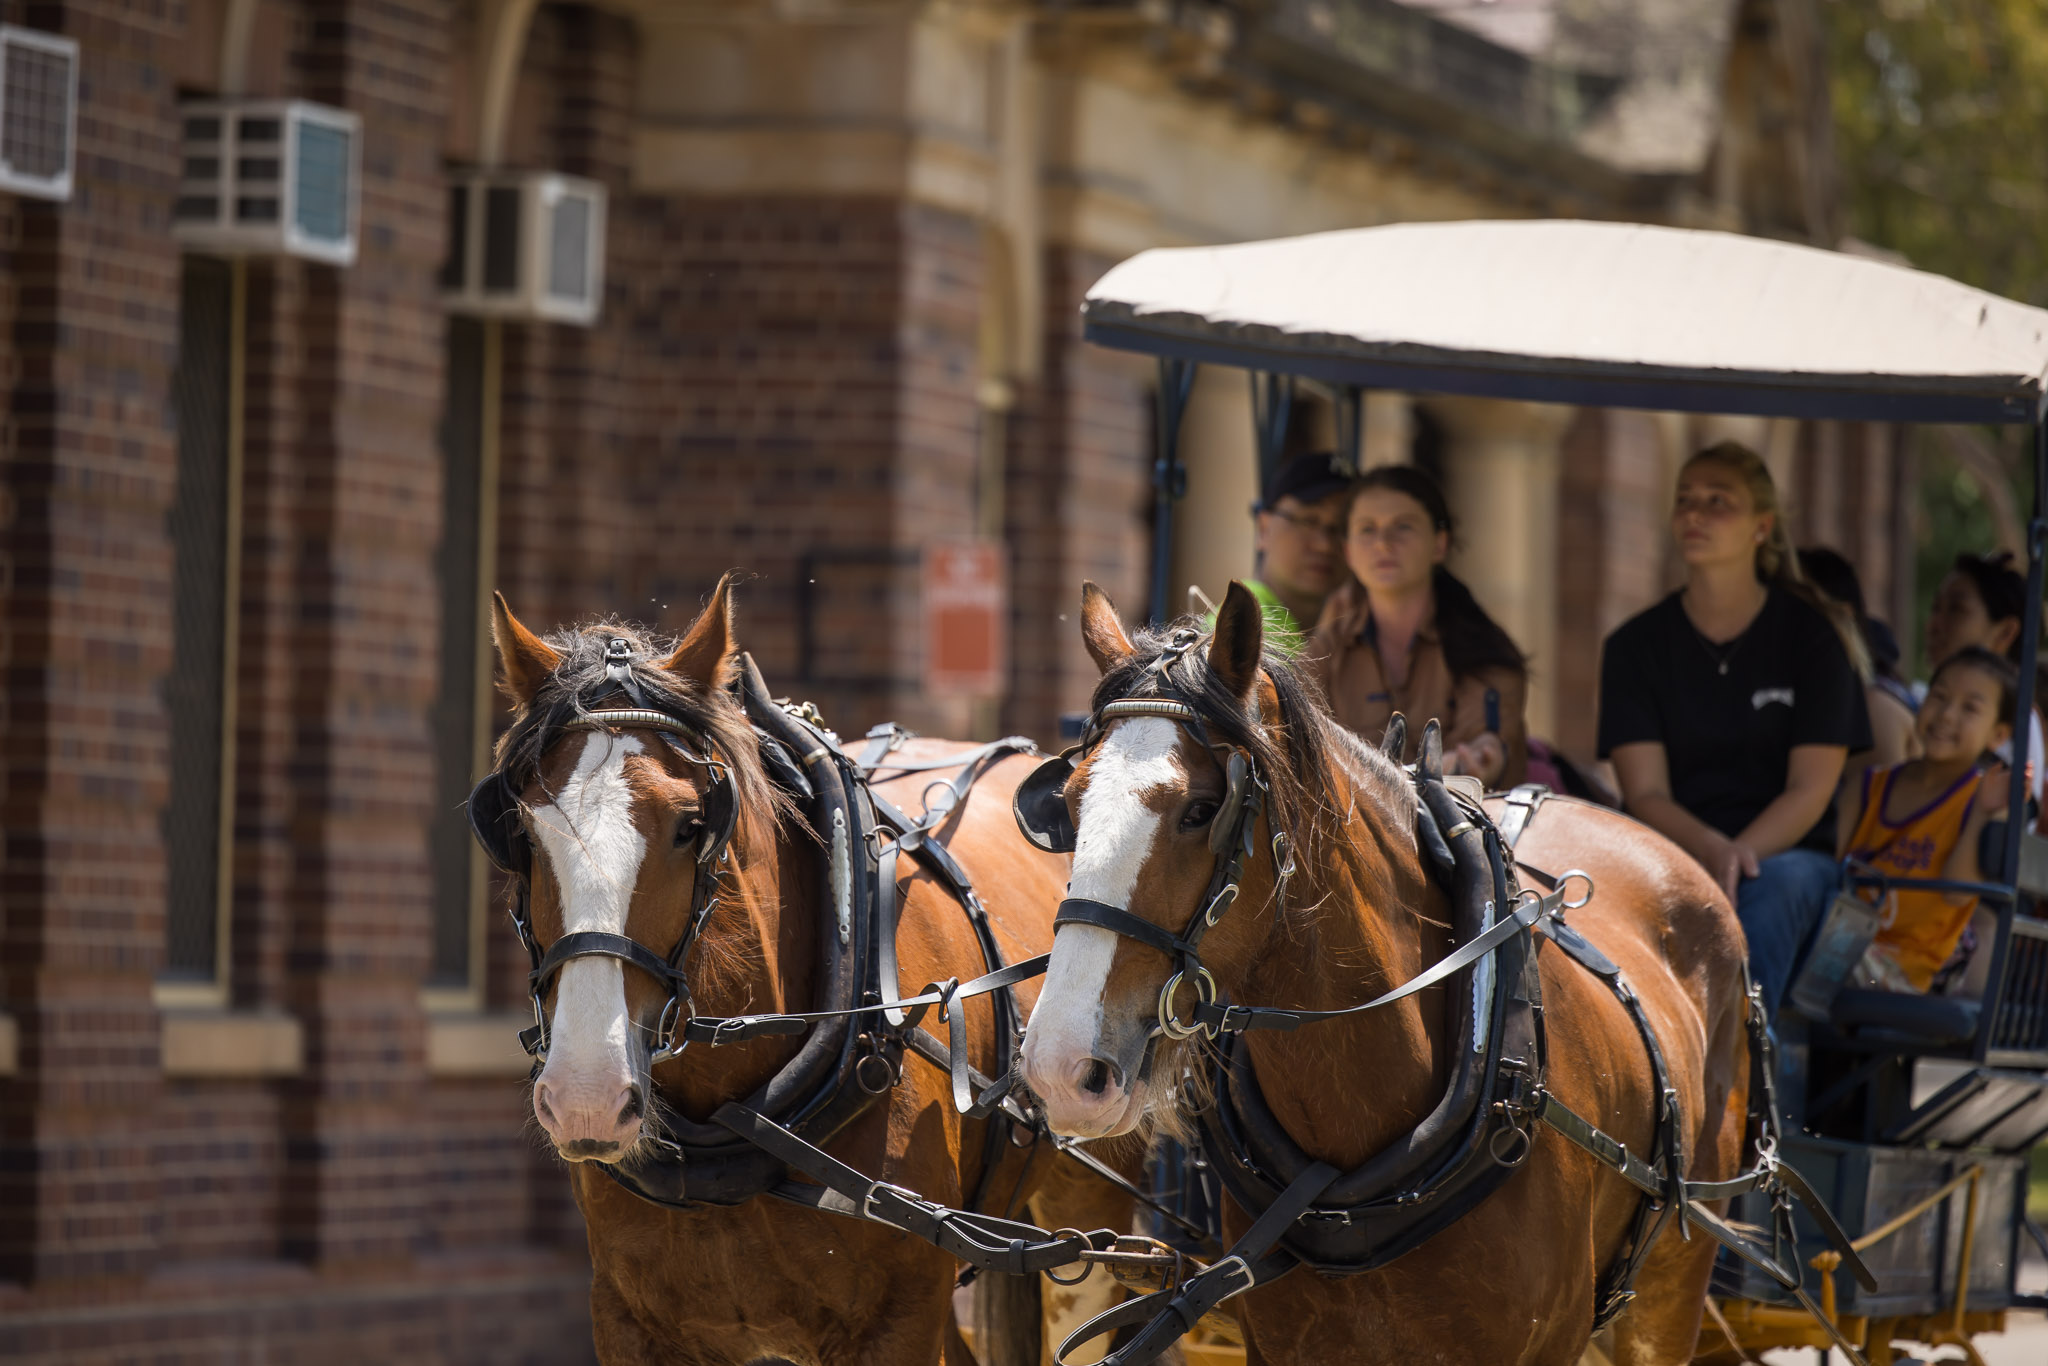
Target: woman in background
{"x": 1405, "y": 635}
{"x": 1729, "y": 708}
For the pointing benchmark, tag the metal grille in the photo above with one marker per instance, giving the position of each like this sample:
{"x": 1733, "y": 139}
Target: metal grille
{"x": 2022, "y": 1021}
{"x": 199, "y": 521}
{"x": 35, "y": 123}
{"x": 321, "y": 196}
{"x": 455, "y": 708}
{"x": 569, "y": 248}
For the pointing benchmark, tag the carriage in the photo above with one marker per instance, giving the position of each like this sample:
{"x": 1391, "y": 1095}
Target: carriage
{"x": 1912, "y": 1115}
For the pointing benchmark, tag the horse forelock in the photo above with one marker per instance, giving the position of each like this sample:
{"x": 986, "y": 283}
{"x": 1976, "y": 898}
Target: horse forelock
{"x": 583, "y": 675}
{"x": 1299, "y": 748}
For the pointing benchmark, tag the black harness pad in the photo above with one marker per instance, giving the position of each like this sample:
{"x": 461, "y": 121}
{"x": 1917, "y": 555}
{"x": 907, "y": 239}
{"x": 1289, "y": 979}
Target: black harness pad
{"x": 1040, "y": 806}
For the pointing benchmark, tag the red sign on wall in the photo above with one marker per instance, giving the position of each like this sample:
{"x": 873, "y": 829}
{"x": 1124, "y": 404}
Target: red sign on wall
{"x": 966, "y": 619}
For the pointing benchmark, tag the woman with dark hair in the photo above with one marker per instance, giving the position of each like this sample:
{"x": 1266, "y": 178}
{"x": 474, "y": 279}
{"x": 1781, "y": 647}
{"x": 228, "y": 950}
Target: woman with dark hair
{"x": 1729, "y": 707}
{"x": 1405, "y": 635}
{"x": 1982, "y": 601}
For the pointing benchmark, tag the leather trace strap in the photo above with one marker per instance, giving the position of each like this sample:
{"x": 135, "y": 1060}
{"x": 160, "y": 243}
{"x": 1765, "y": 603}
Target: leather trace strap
{"x": 1166, "y": 1315}
{"x": 980, "y": 1240}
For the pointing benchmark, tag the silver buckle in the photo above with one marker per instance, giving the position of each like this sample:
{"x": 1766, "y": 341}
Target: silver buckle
{"x": 1235, "y": 1265}
{"x": 867, "y": 1202}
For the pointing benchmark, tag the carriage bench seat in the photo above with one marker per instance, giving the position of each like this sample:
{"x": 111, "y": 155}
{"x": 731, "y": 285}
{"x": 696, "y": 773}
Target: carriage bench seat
{"x": 1904, "y": 1018}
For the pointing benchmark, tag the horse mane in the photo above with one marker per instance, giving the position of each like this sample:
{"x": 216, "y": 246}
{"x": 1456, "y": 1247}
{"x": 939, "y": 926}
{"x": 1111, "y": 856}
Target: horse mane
{"x": 583, "y": 674}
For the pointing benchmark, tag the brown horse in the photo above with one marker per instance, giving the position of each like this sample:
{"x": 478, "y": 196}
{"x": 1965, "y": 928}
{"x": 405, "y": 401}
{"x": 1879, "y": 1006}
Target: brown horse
{"x": 1514, "y": 1279}
{"x": 614, "y": 815}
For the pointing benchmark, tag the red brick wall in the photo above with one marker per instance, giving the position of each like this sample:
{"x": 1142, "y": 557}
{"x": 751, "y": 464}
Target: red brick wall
{"x": 1079, "y": 492}
{"x": 87, "y": 470}
{"x": 360, "y": 1211}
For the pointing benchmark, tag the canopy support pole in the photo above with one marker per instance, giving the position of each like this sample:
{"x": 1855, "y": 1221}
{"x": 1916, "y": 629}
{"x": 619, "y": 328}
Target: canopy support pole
{"x": 1350, "y": 426}
{"x": 1272, "y": 406}
{"x": 1169, "y": 476}
{"x": 2016, "y": 795}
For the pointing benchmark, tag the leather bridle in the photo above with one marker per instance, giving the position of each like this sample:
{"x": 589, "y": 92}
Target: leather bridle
{"x": 497, "y": 816}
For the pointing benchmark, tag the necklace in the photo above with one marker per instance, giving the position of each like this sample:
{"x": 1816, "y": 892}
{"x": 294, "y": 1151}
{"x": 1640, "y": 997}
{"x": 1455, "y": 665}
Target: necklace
{"x": 1722, "y": 655}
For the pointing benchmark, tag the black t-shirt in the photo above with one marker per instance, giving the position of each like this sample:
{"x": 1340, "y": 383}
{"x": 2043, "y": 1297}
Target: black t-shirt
{"x": 1728, "y": 733}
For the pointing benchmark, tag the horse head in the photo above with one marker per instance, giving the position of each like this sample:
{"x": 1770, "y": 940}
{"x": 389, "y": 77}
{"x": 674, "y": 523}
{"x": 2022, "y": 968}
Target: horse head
{"x": 623, "y": 797}
{"x": 1189, "y": 767}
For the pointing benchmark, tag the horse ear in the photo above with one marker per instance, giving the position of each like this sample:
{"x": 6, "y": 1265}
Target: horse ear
{"x": 1395, "y": 742}
{"x": 1102, "y": 631}
{"x": 524, "y": 659}
{"x": 706, "y": 655}
{"x": 1239, "y": 640}
{"x": 1429, "y": 758}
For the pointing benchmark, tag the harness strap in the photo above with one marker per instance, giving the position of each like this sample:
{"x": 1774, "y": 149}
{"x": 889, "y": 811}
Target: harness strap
{"x": 1229, "y": 1019}
{"x": 1521, "y": 809}
{"x": 980, "y": 1240}
{"x": 1081, "y": 911}
{"x": 599, "y": 944}
{"x": 1173, "y": 1312}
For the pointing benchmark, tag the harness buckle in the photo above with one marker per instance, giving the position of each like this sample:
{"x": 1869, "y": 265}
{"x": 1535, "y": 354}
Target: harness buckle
{"x": 1233, "y": 1266}
{"x": 1225, "y": 898}
{"x": 908, "y": 1198}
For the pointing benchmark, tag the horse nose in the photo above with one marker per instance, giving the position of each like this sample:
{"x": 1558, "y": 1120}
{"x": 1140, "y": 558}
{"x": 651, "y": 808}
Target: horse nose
{"x": 1096, "y": 1075}
{"x": 587, "y": 1129}
{"x": 1085, "y": 1096}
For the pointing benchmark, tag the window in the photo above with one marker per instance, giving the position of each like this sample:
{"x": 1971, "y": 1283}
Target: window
{"x": 462, "y": 711}
{"x": 198, "y": 820}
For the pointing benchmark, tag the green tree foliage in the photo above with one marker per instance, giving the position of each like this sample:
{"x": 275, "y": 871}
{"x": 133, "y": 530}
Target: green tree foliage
{"x": 1941, "y": 116}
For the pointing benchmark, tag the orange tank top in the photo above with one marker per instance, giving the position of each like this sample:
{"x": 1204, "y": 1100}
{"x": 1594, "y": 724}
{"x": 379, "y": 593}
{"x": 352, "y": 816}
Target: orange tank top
{"x": 1920, "y": 928}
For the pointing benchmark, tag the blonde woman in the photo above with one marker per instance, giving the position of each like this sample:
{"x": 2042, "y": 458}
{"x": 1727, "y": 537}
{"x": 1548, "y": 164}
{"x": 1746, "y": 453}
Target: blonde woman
{"x": 1729, "y": 707}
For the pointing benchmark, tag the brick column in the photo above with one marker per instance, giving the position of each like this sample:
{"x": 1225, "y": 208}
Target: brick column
{"x": 87, "y": 473}
{"x": 1079, "y": 482}
{"x": 357, "y": 512}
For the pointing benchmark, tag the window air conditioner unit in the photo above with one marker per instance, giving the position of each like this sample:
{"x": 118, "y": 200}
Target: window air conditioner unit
{"x": 38, "y": 111}
{"x": 525, "y": 244}
{"x": 269, "y": 178}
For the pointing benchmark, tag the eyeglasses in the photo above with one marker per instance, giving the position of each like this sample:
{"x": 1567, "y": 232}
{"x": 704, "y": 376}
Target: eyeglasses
{"x": 1315, "y": 528}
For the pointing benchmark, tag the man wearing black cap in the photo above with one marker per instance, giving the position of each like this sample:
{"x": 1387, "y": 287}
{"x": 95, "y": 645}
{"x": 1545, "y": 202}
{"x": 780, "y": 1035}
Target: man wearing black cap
{"x": 1300, "y": 517}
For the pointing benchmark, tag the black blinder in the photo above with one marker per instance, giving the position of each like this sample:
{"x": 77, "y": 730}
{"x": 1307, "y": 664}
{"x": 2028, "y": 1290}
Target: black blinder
{"x": 721, "y": 814}
{"x": 1238, "y": 777}
{"x": 1041, "y": 806}
{"x": 494, "y": 820}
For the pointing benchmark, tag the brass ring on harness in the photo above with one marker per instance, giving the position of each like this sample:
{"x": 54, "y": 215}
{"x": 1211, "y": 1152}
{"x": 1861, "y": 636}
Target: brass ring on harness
{"x": 1515, "y": 1156}
{"x": 1205, "y": 994}
{"x": 1087, "y": 1268}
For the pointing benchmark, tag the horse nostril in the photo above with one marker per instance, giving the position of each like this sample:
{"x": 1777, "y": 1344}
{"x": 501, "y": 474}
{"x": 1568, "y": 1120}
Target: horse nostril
{"x": 540, "y": 1100}
{"x": 631, "y": 1110}
{"x": 1097, "y": 1074}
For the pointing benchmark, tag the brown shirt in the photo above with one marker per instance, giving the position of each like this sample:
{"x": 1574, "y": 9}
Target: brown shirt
{"x": 1344, "y": 658}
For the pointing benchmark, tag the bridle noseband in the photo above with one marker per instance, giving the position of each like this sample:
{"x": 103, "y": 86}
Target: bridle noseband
{"x": 496, "y": 817}
{"x": 1232, "y": 839}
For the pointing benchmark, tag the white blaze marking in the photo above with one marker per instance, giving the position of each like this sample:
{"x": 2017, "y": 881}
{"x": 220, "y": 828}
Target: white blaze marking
{"x": 1114, "y": 836}
{"x": 591, "y": 844}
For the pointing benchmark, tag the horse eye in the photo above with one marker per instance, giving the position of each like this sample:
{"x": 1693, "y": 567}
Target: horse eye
{"x": 687, "y": 830}
{"x": 1197, "y": 815}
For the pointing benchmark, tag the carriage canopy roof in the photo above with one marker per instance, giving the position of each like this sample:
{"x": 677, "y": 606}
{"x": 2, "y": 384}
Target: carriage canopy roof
{"x": 1610, "y": 314}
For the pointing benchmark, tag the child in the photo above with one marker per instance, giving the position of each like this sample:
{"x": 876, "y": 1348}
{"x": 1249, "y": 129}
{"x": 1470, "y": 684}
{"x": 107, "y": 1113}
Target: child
{"x": 1923, "y": 818}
